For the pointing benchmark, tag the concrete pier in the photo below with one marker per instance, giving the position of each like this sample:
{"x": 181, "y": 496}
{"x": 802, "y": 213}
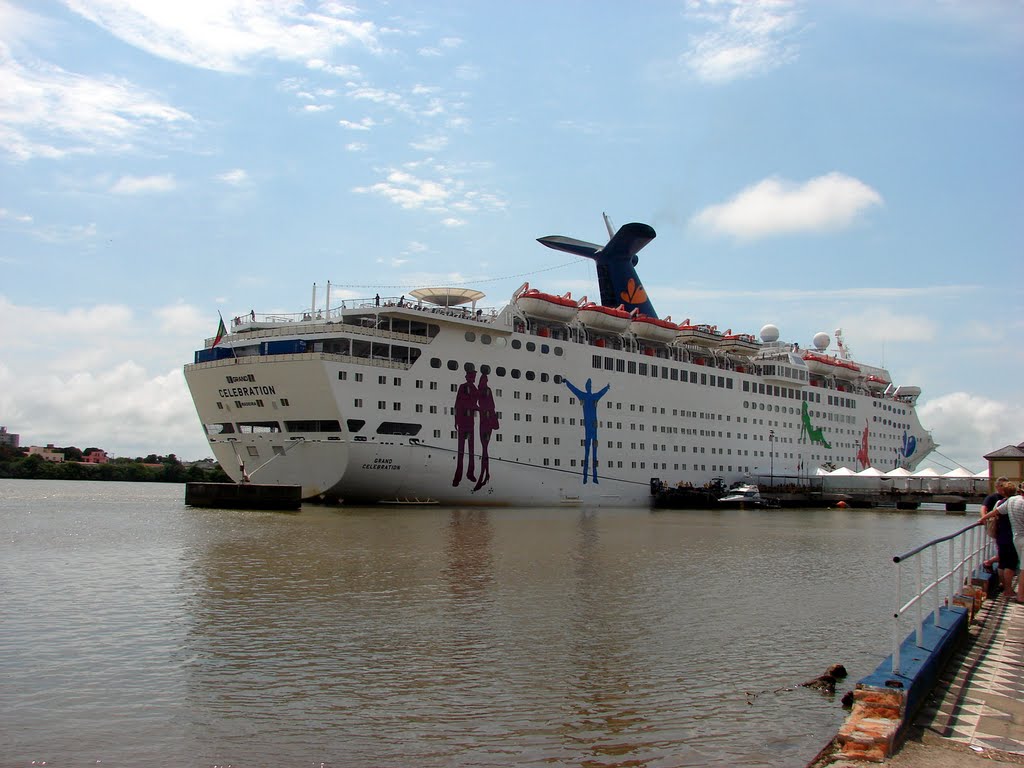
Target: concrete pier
{"x": 972, "y": 713}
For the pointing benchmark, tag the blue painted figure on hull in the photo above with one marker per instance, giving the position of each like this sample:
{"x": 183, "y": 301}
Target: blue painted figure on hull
{"x": 588, "y": 399}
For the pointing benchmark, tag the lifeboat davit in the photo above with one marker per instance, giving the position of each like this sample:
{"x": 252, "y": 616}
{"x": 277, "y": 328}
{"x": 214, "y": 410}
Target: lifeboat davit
{"x": 546, "y": 306}
{"x": 739, "y": 344}
{"x": 653, "y": 329}
{"x": 877, "y": 383}
{"x": 700, "y": 334}
{"x": 601, "y": 318}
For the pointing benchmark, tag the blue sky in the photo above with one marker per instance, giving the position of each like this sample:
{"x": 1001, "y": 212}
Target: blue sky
{"x": 824, "y": 165}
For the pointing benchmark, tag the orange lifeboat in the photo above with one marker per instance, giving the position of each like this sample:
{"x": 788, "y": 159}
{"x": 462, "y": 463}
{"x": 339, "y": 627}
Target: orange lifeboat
{"x": 601, "y": 318}
{"x": 739, "y": 344}
{"x": 698, "y": 333}
{"x": 653, "y": 329}
{"x": 546, "y": 306}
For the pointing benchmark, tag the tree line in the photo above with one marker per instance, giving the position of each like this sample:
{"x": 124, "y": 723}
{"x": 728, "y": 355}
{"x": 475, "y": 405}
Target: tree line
{"x": 163, "y": 469}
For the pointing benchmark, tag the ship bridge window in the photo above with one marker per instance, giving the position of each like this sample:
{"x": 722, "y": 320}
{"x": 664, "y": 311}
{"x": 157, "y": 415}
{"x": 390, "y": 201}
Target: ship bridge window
{"x": 219, "y": 429}
{"x": 399, "y": 428}
{"x": 258, "y": 427}
{"x": 354, "y": 425}
{"x": 313, "y": 425}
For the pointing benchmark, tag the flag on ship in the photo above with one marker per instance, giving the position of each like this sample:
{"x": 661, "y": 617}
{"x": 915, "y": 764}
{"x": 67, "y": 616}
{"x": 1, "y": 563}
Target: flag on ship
{"x": 221, "y": 332}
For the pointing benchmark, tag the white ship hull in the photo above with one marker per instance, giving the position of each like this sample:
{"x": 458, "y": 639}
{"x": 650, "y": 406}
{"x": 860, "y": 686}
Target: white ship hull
{"x": 377, "y": 404}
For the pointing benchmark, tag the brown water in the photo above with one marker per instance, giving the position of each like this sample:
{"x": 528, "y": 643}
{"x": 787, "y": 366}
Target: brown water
{"x": 135, "y": 631}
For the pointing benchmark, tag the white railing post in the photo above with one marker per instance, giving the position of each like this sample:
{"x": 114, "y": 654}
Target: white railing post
{"x": 896, "y": 619}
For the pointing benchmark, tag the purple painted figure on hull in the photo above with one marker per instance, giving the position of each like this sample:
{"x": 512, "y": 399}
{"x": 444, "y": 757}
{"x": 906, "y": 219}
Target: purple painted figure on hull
{"x": 488, "y": 423}
{"x": 466, "y": 406}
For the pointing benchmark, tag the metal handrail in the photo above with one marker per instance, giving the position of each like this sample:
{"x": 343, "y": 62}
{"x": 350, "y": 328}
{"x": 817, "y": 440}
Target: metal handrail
{"x": 974, "y": 545}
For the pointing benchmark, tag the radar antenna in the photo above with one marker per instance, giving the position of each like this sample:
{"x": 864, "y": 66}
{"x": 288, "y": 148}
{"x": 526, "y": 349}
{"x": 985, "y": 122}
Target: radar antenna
{"x": 608, "y": 225}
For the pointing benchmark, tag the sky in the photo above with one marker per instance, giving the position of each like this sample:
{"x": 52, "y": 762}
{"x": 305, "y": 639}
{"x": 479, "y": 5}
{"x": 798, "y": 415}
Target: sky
{"x": 815, "y": 165}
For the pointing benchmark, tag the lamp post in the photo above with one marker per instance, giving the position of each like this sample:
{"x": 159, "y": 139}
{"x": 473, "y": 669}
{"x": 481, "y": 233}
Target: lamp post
{"x": 771, "y": 454}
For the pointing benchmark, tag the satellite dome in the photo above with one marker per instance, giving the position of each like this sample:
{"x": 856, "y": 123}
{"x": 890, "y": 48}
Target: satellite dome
{"x": 821, "y": 341}
{"x": 769, "y": 334}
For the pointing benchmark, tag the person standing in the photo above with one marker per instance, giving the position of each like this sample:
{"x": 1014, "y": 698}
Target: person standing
{"x": 1014, "y": 508}
{"x": 1006, "y": 551}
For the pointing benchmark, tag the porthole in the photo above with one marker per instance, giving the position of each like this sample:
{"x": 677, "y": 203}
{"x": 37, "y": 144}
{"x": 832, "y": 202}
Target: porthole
{"x": 517, "y": 344}
{"x": 470, "y": 336}
{"x": 485, "y": 339}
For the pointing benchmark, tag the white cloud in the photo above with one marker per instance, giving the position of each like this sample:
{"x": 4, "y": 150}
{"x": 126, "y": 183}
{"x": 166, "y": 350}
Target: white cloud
{"x": 225, "y": 35}
{"x": 135, "y": 185}
{"x": 91, "y": 375}
{"x": 430, "y": 144}
{"x": 746, "y": 38}
{"x": 317, "y": 108}
{"x": 967, "y": 426}
{"x": 775, "y": 207}
{"x": 48, "y": 112}
{"x": 445, "y": 192}
{"x": 356, "y": 146}
{"x": 362, "y": 125}
{"x": 236, "y": 177}
{"x": 19, "y": 218}
{"x": 453, "y": 222}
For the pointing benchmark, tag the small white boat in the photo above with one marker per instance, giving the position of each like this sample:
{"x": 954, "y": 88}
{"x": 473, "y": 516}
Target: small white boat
{"x": 746, "y": 497}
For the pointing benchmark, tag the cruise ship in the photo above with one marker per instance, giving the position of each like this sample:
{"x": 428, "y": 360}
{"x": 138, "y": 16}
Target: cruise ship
{"x": 433, "y": 397}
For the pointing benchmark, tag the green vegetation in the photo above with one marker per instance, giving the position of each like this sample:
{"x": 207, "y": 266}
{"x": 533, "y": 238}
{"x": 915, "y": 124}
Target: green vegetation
{"x": 149, "y": 469}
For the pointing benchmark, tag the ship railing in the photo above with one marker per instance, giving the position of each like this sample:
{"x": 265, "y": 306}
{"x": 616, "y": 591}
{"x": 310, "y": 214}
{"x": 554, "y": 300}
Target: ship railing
{"x": 378, "y": 362}
{"x": 334, "y": 328}
{"x": 931, "y": 585}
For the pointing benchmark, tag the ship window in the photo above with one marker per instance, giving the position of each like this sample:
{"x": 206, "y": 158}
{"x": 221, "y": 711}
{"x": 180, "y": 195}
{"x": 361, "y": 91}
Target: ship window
{"x": 470, "y": 336}
{"x": 544, "y": 349}
{"x": 258, "y": 427}
{"x": 620, "y": 366}
{"x": 398, "y": 428}
{"x": 501, "y": 341}
{"x": 313, "y": 425}
{"x": 485, "y": 338}
{"x": 453, "y": 365}
{"x": 252, "y": 450}
{"x": 596, "y": 361}
{"x": 485, "y": 370}
{"x": 515, "y": 373}
{"x": 543, "y": 378}
{"x": 558, "y": 351}
{"x": 358, "y": 402}
{"x": 693, "y": 377}
{"x": 517, "y": 344}
{"x": 219, "y": 429}
{"x": 342, "y": 375}
{"x": 354, "y": 425}
{"x": 469, "y": 368}
{"x": 359, "y": 377}
{"x": 435, "y": 362}
{"x": 643, "y": 369}
{"x": 531, "y": 347}
{"x": 558, "y": 380}
{"x": 675, "y": 374}
{"x": 609, "y": 364}
{"x": 530, "y": 376}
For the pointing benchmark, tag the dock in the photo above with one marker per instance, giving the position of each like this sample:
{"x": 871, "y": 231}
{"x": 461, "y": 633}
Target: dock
{"x": 974, "y": 713}
{"x": 243, "y": 496}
